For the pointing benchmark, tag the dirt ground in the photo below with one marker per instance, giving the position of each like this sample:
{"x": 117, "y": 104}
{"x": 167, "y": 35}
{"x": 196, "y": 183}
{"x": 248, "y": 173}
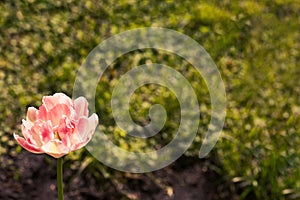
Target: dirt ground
{"x": 34, "y": 177}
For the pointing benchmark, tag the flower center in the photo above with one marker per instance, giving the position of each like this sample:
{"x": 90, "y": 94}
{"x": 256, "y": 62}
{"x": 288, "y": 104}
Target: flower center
{"x": 56, "y": 135}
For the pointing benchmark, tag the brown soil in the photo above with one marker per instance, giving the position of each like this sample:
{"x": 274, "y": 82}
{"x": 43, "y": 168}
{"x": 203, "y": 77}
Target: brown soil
{"x": 34, "y": 177}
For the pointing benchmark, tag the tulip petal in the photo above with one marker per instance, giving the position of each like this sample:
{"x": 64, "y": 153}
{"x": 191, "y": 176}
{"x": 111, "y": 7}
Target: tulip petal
{"x": 58, "y": 112}
{"x": 82, "y": 128}
{"x": 41, "y": 132}
{"x": 81, "y": 107}
{"x": 46, "y": 132}
{"x": 29, "y": 133}
{"x": 32, "y": 114}
{"x": 55, "y": 148}
{"x": 79, "y": 133}
{"x": 26, "y": 127}
{"x": 58, "y": 98}
{"x": 26, "y": 145}
{"x": 80, "y": 144}
{"x": 85, "y": 130}
{"x": 93, "y": 122}
{"x": 65, "y": 130}
{"x": 42, "y": 114}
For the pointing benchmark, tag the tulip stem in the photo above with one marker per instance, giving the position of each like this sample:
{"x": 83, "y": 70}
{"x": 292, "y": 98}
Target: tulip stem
{"x": 60, "y": 178}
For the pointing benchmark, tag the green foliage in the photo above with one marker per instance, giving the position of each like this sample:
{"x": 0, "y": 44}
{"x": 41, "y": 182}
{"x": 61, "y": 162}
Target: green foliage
{"x": 255, "y": 44}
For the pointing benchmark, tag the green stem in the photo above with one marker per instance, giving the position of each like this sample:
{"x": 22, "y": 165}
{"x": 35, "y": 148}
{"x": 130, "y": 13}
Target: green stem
{"x": 59, "y": 172}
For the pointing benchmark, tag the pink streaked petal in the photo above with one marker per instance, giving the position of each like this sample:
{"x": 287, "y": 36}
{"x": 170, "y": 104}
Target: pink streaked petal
{"x": 82, "y": 128}
{"x": 84, "y": 134}
{"x": 26, "y": 145}
{"x": 55, "y": 148}
{"x": 46, "y": 132}
{"x": 80, "y": 144}
{"x": 81, "y": 107}
{"x": 59, "y": 98}
{"x": 84, "y": 139}
{"x": 32, "y": 114}
{"x": 65, "y": 130}
{"x": 29, "y": 135}
{"x": 79, "y": 131}
{"x": 42, "y": 132}
{"x": 58, "y": 112}
{"x": 42, "y": 114}
{"x": 26, "y": 127}
{"x": 93, "y": 122}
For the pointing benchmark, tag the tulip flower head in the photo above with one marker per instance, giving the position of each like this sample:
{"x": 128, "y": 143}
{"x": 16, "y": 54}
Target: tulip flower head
{"x": 59, "y": 126}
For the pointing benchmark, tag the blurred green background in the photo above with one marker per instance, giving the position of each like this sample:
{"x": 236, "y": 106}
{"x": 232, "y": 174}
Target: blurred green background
{"x": 255, "y": 45}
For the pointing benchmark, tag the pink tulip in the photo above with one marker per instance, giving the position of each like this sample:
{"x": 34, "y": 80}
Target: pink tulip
{"x": 58, "y": 127}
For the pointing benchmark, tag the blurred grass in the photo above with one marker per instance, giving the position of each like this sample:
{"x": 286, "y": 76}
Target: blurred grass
{"x": 255, "y": 44}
